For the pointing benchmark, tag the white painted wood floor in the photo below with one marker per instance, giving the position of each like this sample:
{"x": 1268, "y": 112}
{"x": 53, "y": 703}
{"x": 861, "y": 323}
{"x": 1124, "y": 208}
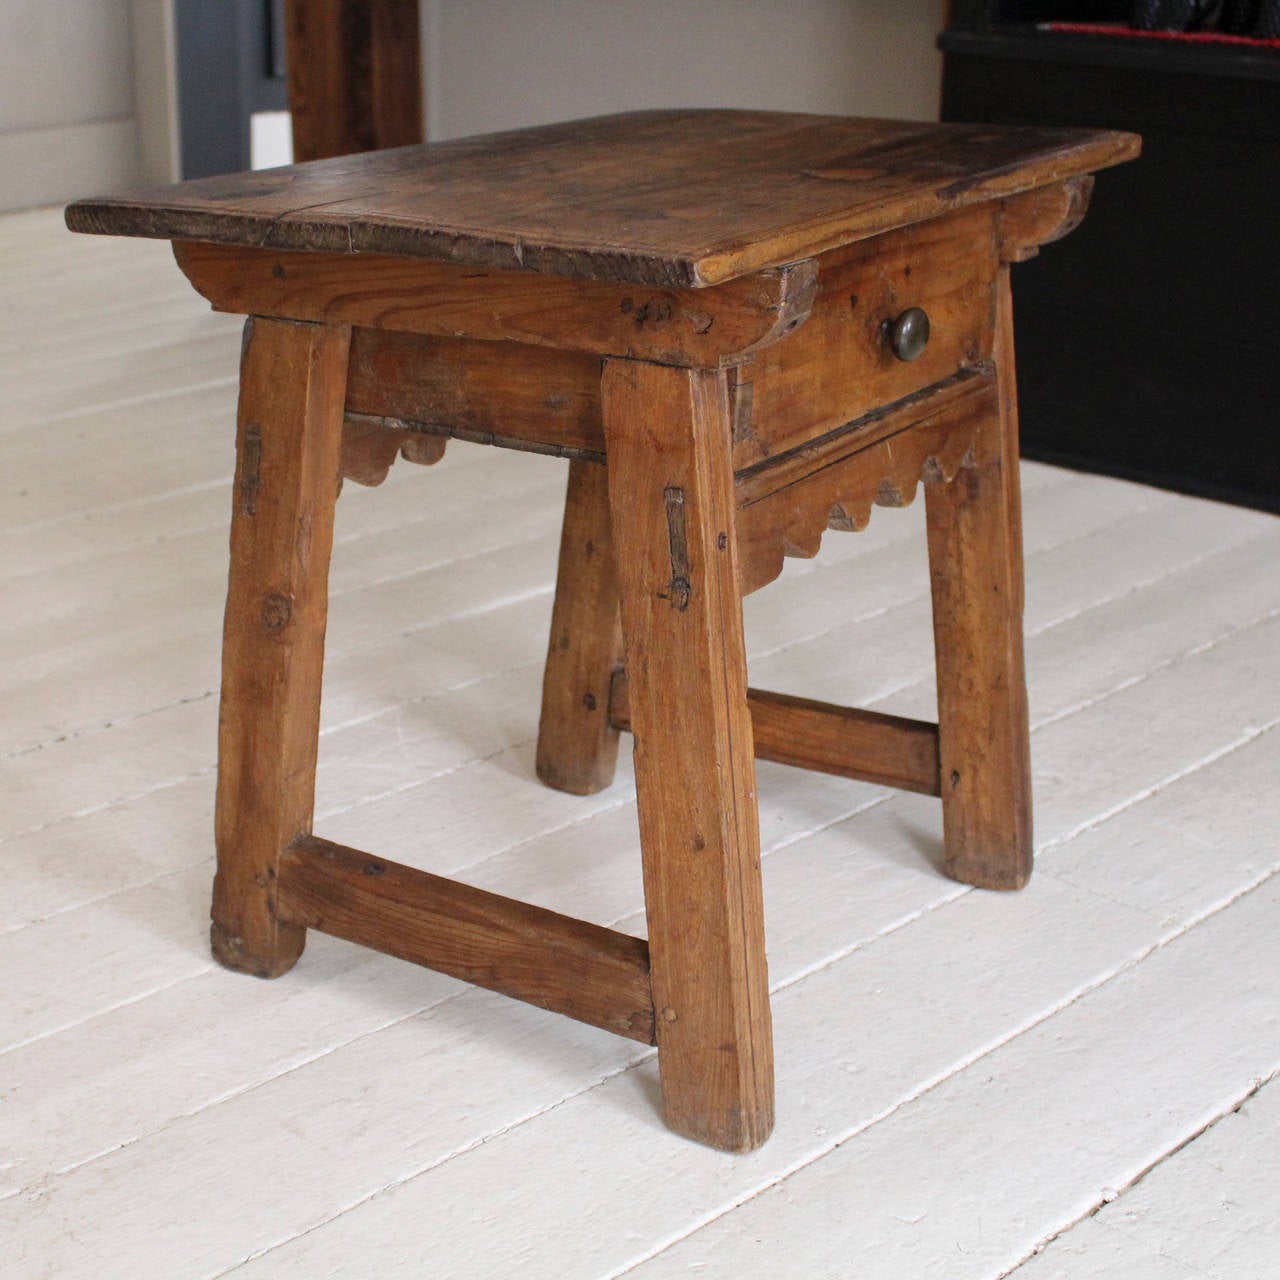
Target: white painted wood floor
{"x": 962, "y": 1076}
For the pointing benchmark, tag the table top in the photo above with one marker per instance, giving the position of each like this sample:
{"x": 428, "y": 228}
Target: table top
{"x": 680, "y": 198}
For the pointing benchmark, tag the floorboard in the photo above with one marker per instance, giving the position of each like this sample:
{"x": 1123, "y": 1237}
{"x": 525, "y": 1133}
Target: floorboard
{"x": 1068, "y": 1082}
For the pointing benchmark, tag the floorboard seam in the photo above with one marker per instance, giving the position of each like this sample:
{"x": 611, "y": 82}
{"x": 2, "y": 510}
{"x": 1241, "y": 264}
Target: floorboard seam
{"x": 934, "y": 1083}
{"x": 214, "y": 526}
{"x": 69, "y": 356}
{"x": 330, "y": 813}
{"x": 1147, "y": 584}
{"x": 99, "y": 1013}
{"x": 522, "y": 597}
{"x": 1120, "y": 1192}
{"x": 493, "y": 606}
{"x": 796, "y": 1166}
{"x": 434, "y": 1164}
{"x": 131, "y": 504}
{"x": 1249, "y": 736}
{"x": 132, "y": 797}
{"x": 923, "y": 593}
{"x": 774, "y": 1181}
{"x": 416, "y": 1012}
{"x": 89, "y": 729}
{"x": 1084, "y": 704}
{"x": 129, "y": 402}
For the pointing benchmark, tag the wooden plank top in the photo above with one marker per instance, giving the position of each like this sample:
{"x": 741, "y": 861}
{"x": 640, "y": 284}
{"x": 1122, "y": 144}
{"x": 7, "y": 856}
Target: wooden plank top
{"x": 674, "y": 198}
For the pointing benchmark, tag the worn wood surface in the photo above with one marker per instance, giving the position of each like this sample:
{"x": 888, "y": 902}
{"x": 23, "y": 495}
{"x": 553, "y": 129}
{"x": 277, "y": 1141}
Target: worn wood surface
{"x": 671, "y": 493}
{"x": 846, "y": 741}
{"x": 667, "y": 325}
{"x": 500, "y": 392}
{"x": 371, "y": 445}
{"x": 577, "y": 741}
{"x": 975, "y": 564}
{"x": 787, "y": 504}
{"x": 663, "y": 198}
{"x": 1042, "y": 216}
{"x": 1163, "y": 1225}
{"x": 839, "y": 365}
{"x": 354, "y": 75}
{"x": 569, "y": 966}
{"x": 288, "y": 444}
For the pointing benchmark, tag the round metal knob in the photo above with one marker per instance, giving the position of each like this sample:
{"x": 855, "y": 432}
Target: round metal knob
{"x": 909, "y": 333}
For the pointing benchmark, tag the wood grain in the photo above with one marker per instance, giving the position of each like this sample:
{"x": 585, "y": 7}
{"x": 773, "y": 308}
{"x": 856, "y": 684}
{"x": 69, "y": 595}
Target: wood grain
{"x": 671, "y": 493}
{"x": 868, "y": 746}
{"x": 577, "y": 742}
{"x": 839, "y": 365}
{"x": 664, "y": 198}
{"x": 667, "y": 325}
{"x": 371, "y": 445}
{"x": 354, "y": 75}
{"x": 506, "y": 392}
{"x": 786, "y": 505}
{"x": 288, "y": 445}
{"x": 542, "y": 957}
{"x": 1042, "y": 216}
{"x": 975, "y": 565}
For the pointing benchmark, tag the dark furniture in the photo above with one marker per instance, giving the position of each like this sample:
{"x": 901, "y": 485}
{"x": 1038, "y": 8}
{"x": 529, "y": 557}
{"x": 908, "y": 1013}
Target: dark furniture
{"x": 355, "y": 83}
{"x": 1147, "y": 343}
{"x": 351, "y": 79}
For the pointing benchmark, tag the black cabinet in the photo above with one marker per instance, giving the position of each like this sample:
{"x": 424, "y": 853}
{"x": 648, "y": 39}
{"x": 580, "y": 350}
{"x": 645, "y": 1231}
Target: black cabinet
{"x": 1148, "y": 339}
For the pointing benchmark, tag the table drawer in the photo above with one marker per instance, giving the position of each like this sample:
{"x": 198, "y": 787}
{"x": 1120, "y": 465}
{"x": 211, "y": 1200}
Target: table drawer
{"x": 839, "y": 365}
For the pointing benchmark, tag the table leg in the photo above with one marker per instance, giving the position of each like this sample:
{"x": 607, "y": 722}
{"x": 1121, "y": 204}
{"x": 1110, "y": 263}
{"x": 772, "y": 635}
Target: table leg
{"x": 577, "y": 746}
{"x": 288, "y": 449}
{"x": 975, "y": 560}
{"x": 668, "y": 438}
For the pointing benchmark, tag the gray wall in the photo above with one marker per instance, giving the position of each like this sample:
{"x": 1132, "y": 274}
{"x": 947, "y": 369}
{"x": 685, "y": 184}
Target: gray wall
{"x": 66, "y": 99}
{"x": 493, "y": 64}
{"x": 76, "y": 120}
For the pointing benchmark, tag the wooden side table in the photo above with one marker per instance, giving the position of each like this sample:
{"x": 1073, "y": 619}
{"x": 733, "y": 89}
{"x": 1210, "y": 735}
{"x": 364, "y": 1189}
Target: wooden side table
{"x": 744, "y": 329}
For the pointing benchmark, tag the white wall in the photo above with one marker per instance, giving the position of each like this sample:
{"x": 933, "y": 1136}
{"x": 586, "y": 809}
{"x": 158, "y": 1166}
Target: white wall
{"x": 66, "y": 99}
{"x": 494, "y": 64}
{"x": 75, "y": 120}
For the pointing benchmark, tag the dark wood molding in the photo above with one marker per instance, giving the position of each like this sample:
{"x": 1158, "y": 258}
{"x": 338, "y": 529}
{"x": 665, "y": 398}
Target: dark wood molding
{"x": 355, "y": 82}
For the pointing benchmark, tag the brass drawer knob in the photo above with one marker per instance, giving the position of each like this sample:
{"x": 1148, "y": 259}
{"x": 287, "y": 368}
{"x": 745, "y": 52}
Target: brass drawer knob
{"x": 908, "y": 335}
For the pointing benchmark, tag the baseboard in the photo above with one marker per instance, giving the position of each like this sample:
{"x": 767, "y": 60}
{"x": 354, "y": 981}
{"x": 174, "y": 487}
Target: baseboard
{"x": 64, "y": 162}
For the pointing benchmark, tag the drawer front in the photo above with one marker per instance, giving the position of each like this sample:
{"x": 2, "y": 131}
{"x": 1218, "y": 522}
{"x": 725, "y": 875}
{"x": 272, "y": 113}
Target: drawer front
{"x": 840, "y": 365}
